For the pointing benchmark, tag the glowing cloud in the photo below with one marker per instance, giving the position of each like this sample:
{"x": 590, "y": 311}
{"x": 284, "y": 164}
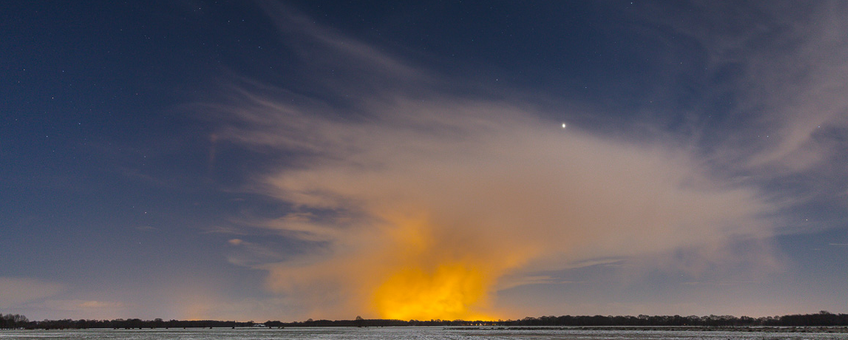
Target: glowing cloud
{"x": 425, "y": 207}
{"x": 420, "y": 203}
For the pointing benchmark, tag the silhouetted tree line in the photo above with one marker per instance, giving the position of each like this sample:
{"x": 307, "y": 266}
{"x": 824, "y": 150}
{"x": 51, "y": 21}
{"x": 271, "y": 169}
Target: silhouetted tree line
{"x": 22, "y": 322}
{"x": 822, "y": 318}
{"x": 12, "y": 321}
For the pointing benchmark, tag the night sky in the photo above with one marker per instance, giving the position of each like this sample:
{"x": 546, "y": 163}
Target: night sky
{"x": 241, "y": 160}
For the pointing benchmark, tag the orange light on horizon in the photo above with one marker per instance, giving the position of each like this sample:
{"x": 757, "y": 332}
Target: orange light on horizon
{"x": 449, "y": 292}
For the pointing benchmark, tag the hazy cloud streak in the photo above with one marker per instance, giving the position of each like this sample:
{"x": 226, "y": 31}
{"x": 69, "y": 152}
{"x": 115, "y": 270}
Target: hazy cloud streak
{"x": 17, "y": 291}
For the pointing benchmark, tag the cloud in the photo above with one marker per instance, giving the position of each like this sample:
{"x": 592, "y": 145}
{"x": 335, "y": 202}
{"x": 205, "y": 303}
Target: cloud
{"x": 249, "y": 254}
{"x": 86, "y": 306}
{"x": 468, "y": 191}
{"x": 776, "y": 74}
{"x": 486, "y": 186}
{"x": 19, "y": 291}
{"x": 411, "y": 190}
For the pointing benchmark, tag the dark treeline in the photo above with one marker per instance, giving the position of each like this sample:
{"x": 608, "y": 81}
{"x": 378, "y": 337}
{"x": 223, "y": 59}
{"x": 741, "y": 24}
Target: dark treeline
{"x": 12, "y": 321}
{"x": 120, "y": 323}
{"x": 822, "y": 318}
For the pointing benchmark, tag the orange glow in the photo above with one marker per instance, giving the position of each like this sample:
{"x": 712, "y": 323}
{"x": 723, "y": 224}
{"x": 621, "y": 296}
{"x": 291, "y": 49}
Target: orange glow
{"x": 426, "y": 277}
{"x": 449, "y": 292}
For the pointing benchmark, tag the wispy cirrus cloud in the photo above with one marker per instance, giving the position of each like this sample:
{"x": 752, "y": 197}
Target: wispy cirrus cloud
{"x": 777, "y": 73}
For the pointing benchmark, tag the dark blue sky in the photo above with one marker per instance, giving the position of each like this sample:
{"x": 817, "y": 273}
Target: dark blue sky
{"x": 263, "y": 160}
